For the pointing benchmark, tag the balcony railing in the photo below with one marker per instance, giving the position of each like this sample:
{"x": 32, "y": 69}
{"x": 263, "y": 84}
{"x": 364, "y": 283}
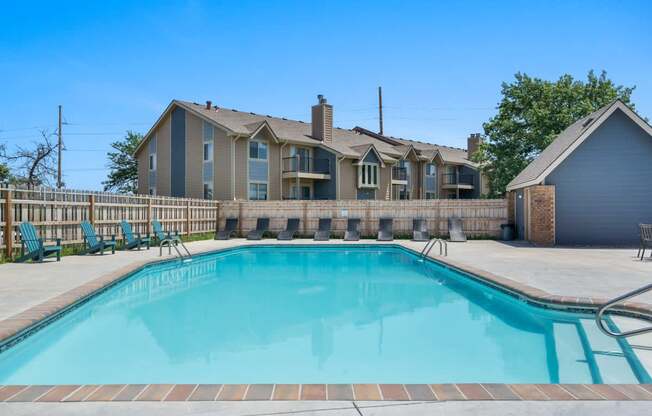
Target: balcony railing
{"x": 455, "y": 179}
{"x": 399, "y": 173}
{"x": 306, "y": 165}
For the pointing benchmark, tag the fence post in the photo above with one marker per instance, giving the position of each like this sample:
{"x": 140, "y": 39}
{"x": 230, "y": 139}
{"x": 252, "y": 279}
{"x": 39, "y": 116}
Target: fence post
{"x": 188, "y": 217}
{"x": 304, "y": 220}
{"x": 9, "y": 224}
{"x": 240, "y": 220}
{"x": 367, "y": 218}
{"x": 148, "y": 226}
{"x": 91, "y": 209}
{"x": 217, "y": 216}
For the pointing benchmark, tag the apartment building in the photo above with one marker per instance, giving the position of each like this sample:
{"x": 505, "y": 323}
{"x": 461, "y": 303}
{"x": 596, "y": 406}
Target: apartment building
{"x": 205, "y": 151}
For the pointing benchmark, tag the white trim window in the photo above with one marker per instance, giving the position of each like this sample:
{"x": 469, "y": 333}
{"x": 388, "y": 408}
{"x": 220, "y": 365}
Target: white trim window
{"x": 368, "y": 175}
{"x": 257, "y": 191}
{"x": 207, "y": 161}
{"x": 257, "y": 150}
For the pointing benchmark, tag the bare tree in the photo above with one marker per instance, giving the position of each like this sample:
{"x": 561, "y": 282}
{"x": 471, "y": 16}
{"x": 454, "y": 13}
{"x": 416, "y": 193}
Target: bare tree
{"x": 34, "y": 165}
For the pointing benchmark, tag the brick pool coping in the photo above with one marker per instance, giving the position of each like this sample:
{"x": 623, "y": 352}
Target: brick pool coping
{"x": 334, "y": 392}
{"x": 20, "y": 325}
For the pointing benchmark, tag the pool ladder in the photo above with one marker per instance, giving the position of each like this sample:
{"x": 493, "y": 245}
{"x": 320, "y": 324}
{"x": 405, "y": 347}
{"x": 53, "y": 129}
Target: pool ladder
{"x": 603, "y": 309}
{"x": 443, "y": 247}
{"x": 170, "y": 242}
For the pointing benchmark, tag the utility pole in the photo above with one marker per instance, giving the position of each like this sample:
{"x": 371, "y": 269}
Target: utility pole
{"x": 59, "y": 146}
{"x": 380, "y": 109}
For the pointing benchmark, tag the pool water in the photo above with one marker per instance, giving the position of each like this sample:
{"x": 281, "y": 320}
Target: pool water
{"x": 314, "y": 315}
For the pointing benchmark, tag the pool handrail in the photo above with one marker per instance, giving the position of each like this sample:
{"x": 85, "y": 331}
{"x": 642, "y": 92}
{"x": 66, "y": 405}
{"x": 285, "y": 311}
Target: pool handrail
{"x": 603, "y": 309}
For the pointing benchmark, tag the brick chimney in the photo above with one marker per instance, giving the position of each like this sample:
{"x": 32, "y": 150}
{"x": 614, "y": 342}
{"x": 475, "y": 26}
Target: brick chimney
{"x": 473, "y": 143}
{"x": 208, "y": 104}
{"x": 322, "y": 120}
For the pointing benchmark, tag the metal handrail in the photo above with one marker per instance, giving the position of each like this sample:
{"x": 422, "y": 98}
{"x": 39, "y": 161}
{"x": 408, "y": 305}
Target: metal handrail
{"x": 443, "y": 247}
{"x": 603, "y": 309}
{"x": 170, "y": 243}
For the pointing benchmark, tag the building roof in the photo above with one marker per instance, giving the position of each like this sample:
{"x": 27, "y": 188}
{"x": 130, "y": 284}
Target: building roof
{"x": 567, "y": 141}
{"x": 351, "y": 143}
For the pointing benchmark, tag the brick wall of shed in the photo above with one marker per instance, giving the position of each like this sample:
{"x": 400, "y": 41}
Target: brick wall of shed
{"x": 540, "y": 212}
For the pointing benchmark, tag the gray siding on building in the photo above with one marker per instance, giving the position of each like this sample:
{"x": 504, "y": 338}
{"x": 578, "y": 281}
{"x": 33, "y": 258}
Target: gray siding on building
{"x": 366, "y": 193}
{"x": 371, "y": 158}
{"x": 178, "y": 153}
{"x": 326, "y": 189}
{"x": 603, "y": 188}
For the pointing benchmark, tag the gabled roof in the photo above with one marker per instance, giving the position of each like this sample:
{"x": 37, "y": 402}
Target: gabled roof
{"x": 364, "y": 151}
{"x": 567, "y": 141}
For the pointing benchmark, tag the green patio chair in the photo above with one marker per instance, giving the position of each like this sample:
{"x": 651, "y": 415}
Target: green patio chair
{"x": 32, "y": 247}
{"x": 161, "y": 235}
{"x": 95, "y": 243}
{"x": 131, "y": 241}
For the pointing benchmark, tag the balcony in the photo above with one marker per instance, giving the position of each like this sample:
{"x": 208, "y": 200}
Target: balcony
{"x": 306, "y": 168}
{"x": 457, "y": 181}
{"x": 399, "y": 175}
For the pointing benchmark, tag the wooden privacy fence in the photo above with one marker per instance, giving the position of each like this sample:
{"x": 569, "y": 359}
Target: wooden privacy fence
{"x": 57, "y": 214}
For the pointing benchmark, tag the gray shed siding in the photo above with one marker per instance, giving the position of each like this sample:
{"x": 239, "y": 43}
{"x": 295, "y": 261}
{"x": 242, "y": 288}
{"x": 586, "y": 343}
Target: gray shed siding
{"x": 603, "y": 188}
{"x": 178, "y": 153}
{"x": 326, "y": 189}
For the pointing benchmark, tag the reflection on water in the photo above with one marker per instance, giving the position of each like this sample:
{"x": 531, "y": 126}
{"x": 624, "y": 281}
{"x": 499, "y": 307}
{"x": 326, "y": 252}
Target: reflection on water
{"x": 303, "y": 315}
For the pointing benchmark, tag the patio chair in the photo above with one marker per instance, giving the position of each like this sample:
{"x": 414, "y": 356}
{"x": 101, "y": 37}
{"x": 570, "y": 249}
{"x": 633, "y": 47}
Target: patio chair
{"x": 95, "y": 243}
{"x": 455, "y": 232}
{"x": 262, "y": 226}
{"x": 230, "y": 229}
{"x": 290, "y": 230}
{"x": 32, "y": 247}
{"x": 131, "y": 241}
{"x": 323, "y": 232}
{"x": 161, "y": 235}
{"x": 646, "y": 239}
{"x": 420, "y": 230}
{"x": 352, "y": 232}
{"x": 385, "y": 232}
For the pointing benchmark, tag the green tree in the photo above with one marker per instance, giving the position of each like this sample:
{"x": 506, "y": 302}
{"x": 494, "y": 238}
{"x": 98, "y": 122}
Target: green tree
{"x": 532, "y": 113}
{"x": 123, "y": 176}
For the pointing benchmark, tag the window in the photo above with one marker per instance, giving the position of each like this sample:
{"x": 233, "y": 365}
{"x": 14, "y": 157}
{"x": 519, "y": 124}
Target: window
{"x": 152, "y": 161}
{"x": 152, "y": 191}
{"x": 431, "y": 169}
{"x": 208, "y": 190}
{"x": 431, "y": 195}
{"x": 257, "y": 150}
{"x": 258, "y": 191}
{"x": 368, "y": 175}
{"x": 207, "y": 161}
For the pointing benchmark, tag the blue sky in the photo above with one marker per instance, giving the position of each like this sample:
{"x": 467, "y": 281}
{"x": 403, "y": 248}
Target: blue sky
{"x": 116, "y": 65}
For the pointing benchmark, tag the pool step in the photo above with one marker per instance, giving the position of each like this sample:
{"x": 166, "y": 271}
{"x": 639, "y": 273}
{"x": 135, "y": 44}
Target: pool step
{"x": 609, "y": 357}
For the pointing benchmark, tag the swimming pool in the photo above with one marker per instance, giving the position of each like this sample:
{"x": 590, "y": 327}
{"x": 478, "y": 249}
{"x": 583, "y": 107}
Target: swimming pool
{"x": 302, "y": 314}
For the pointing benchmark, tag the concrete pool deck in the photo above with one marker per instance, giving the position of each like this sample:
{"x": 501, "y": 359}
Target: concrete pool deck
{"x": 35, "y": 291}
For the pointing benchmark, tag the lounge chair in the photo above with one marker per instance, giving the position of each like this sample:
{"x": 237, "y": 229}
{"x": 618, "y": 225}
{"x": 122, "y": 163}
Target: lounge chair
{"x": 420, "y": 230}
{"x": 385, "y": 232}
{"x": 262, "y": 226}
{"x": 230, "y": 229}
{"x": 646, "y": 239}
{"x": 290, "y": 230}
{"x": 455, "y": 232}
{"x": 95, "y": 243}
{"x": 32, "y": 247}
{"x": 323, "y": 232}
{"x": 131, "y": 242}
{"x": 162, "y": 235}
{"x": 352, "y": 232}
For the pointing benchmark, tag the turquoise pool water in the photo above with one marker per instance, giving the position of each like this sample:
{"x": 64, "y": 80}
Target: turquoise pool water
{"x": 313, "y": 315}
